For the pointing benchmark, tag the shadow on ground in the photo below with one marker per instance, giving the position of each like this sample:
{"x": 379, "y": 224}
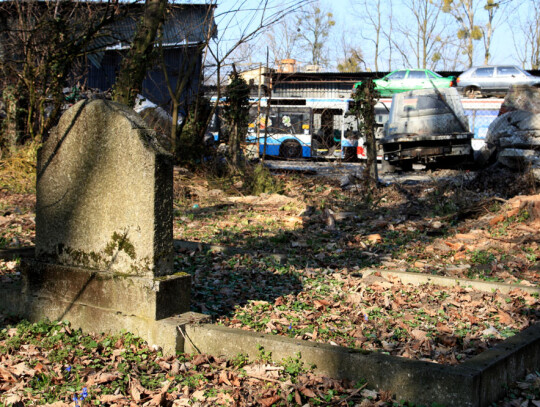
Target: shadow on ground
{"x": 222, "y": 282}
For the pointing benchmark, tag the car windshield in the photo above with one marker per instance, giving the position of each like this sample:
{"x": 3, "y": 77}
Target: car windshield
{"x": 435, "y": 74}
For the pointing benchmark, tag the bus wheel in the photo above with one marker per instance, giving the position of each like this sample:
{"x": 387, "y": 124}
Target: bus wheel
{"x": 290, "y": 149}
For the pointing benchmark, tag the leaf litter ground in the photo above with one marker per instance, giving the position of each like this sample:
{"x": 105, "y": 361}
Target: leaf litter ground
{"x": 457, "y": 228}
{"x": 331, "y": 235}
{"x": 52, "y": 364}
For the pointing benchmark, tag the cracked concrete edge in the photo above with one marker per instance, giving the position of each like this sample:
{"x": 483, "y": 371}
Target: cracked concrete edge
{"x": 408, "y": 380}
{"x": 506, "y": 362}
{"x": 476, "y": 383}
{"x": 420, "y": 278}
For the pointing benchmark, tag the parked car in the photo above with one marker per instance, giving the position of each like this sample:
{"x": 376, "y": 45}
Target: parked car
{"x": 403, "y": 80}
{"x": 493, "y": 80}
{"x": 425, "y": 126}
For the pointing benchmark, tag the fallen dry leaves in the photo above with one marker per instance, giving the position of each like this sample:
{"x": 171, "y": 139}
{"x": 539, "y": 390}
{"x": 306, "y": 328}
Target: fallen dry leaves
{"x": 329, "y": 235}
{"x": 444, "y": 325}
{"x": 122, "y": 370}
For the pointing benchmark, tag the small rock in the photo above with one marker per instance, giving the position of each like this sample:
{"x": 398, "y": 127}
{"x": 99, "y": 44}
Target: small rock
{"x": 491, "y": 331}
{"x": 299, "y": 244}
{"x": 369, "y": 394}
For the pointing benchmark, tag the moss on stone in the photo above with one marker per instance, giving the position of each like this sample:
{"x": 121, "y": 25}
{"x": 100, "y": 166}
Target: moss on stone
{"x": 120, "y": 242}
{"x": 178, "y": 274}
{"x": 82, "y": 258}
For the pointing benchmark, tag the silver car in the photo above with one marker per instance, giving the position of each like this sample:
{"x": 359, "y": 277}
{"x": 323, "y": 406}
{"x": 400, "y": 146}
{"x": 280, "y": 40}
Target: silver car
{"x": 493, "y": 80}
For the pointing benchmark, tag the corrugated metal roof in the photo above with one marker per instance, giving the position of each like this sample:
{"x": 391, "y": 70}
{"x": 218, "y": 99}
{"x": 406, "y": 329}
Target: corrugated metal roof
{"x": 312, "y": 89}
{"x": 184, "y": 24}
{"x": 307, "y": 77}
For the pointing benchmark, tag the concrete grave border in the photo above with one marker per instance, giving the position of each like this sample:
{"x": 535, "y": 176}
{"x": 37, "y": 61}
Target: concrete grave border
{"x": 476, "y": 382}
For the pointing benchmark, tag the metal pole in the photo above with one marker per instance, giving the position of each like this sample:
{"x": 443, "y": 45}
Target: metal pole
{"x": 257, "y": 122}
{"x": 267, "y": 113}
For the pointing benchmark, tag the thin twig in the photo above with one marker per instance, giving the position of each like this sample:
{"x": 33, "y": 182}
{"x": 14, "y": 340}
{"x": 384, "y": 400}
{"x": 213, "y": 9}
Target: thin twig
{"x": 350, "y": 396}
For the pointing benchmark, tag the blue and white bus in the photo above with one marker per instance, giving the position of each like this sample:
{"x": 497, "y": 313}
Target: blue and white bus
{"x": 307, "y": 128}
{"x": 323, "y": 128}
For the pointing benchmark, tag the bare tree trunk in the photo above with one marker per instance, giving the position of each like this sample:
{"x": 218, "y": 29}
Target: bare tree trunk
{"x": 369, "y": 125}
{"x": 174, "y": 125}
{"x": 234, "y": 143}
{"x": 135, "y": 64}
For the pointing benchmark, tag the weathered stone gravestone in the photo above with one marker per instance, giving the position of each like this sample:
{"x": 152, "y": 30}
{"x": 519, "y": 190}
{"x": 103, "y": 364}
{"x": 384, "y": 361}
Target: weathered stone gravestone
{"x": 104, "y": 243}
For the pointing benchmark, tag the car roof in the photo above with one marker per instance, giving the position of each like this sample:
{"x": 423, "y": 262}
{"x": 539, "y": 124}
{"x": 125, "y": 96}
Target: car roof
{"x": 493, "y": 66}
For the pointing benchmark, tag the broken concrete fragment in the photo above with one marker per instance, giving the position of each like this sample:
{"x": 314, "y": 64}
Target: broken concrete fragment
{"x": 519, "y": 159}
{"x": 515, "y": 135}
{"x": 520, "y": 141}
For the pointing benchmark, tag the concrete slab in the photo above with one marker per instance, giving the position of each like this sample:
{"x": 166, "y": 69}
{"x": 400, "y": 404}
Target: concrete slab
{"x": 143, "y": 297}
{"x": 99, "y": 301}
{"x": 420, "y": 278}
{"x": 475, "y": 383}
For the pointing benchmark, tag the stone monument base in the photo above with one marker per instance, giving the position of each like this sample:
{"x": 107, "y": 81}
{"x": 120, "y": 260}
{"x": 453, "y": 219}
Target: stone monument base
{"x": 99, "y": 301}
